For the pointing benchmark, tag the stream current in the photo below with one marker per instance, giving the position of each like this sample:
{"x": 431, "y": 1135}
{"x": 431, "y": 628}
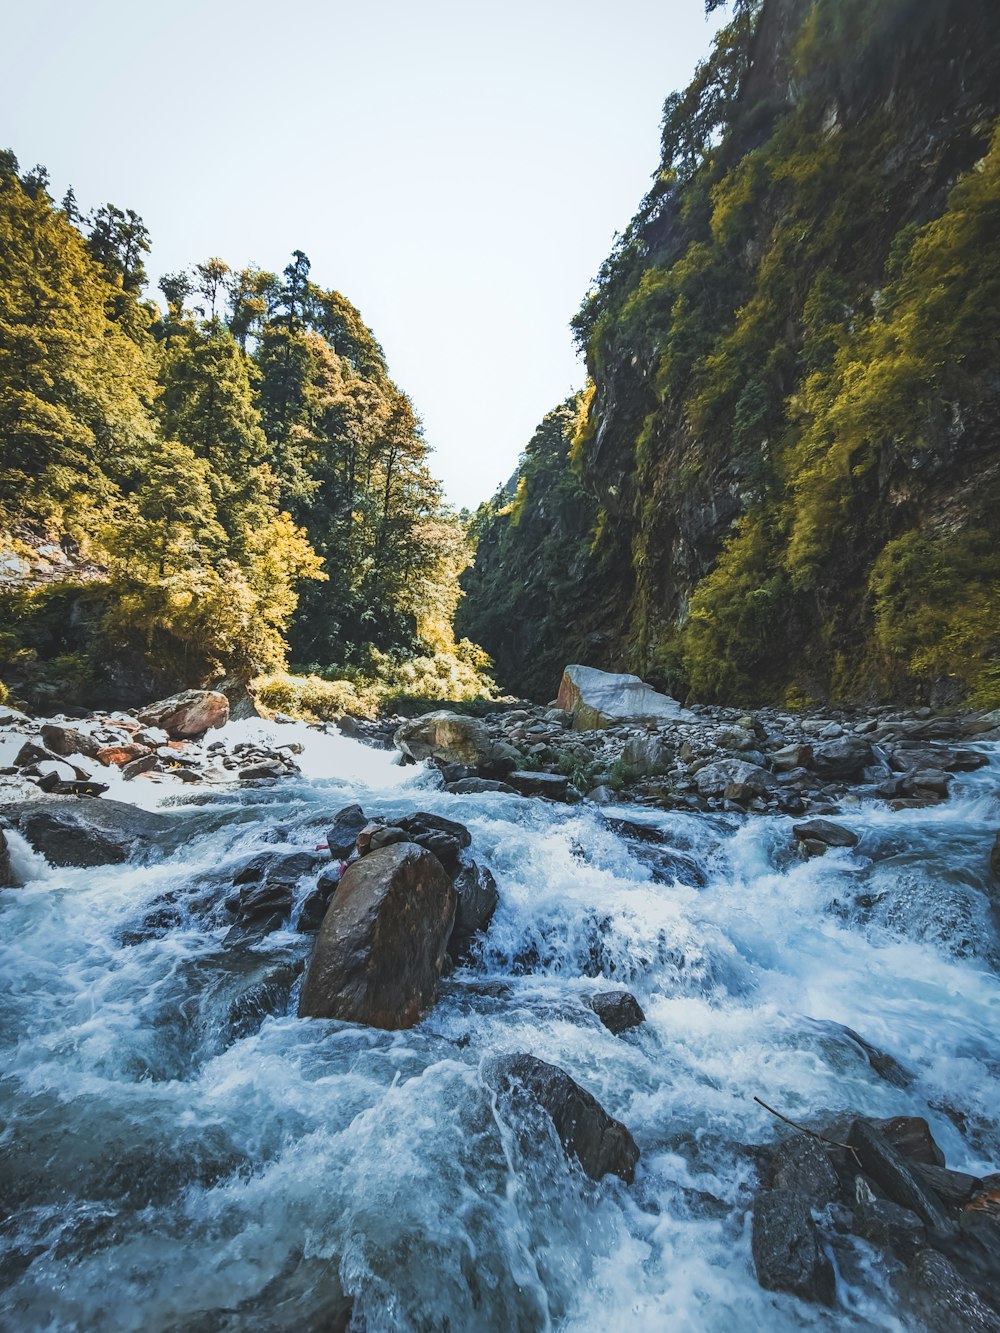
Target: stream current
{"x": 168, "y": 1166}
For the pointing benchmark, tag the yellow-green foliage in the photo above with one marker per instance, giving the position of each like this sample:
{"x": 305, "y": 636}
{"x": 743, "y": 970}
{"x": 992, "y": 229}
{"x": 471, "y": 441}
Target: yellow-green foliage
{"x": 461, "y": 675}
{"x": 937, "y": 609}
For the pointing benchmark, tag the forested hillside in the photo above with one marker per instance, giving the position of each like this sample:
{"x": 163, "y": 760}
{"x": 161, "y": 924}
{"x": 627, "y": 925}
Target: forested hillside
{"x": 203, "y": 488}
{"x": 783, "y": 480}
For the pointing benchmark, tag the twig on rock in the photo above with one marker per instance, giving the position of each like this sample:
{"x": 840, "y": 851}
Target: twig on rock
{"x": 813, "y": 1134}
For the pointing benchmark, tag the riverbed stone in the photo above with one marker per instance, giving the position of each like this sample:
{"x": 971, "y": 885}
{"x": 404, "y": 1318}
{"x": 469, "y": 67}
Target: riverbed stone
{"x": 597, "y": 699}
{"x": 713, "y": 779}
{"x": 478, "y": 899}
{"x": 68, "y": 740}
{"x": 452, "y": 738}
{"x": 382, "y": 944}
{"x": 88, "y": 833}
{"x": 190, "y": 713}
{"x": 7, "y": 880}
{"x": 825, "y": 832}
{"x": 893, "y": 1174}
{"x": 601, "y": 1144}
{"x": 846, "y": 757}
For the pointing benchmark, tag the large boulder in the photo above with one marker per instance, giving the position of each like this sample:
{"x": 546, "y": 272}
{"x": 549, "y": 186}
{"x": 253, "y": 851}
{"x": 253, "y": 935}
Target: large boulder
{"x": 67, "y": 740}
{"x": 597, "y": 699}
{"x": 618, "y": 1010}
{"x": 382, "y": 944}
{"x": 7, "y": 880}
{"x": 453, "y": 738}
{"x": 89, "y": 833}
{"x": 601, "y": 1144}
{"x": 190, "y": 713}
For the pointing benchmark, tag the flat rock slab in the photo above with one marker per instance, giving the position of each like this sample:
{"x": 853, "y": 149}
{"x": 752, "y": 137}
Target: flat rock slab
{"x": 597, "y": 699}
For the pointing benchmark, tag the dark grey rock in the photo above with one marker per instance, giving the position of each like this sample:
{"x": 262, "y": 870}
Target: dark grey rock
{"x": 601, "y": 1144}
{"x": 890, "y": 1170}
{"x": 825, "y": 831}
{"x": 845, "y": 757}
{"x": 89, "y": 833}
{"x": 474, "y": 786}
{"x": 7, "y": 880}
{"x": 618, "y": 1010}
{"x": 890, "y": 1227}
{"x": 344, "y": 830}
{"x": 802, "y": 1165}
{"x": 786, "y": 1246}
{"x": 478, "y": 899}
{"x": 553, "y": 786}
{"x": 945, "y": 1299}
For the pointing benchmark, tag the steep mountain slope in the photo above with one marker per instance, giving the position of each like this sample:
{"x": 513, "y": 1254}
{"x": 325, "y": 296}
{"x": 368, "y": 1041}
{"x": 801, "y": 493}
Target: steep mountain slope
{"x": 786, "y": 468}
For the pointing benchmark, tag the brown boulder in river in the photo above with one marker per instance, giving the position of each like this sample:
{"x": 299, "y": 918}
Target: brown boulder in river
{"x": 190, "y": 713}
{"x": 381, "y": 947}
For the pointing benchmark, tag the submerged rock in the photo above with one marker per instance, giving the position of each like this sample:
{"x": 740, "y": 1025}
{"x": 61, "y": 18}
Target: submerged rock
{"x": 597, "y": 699}
{"x": 381, "y": 947}
{"x": 601, "y": 1144}
{"x": 190, "y": 713}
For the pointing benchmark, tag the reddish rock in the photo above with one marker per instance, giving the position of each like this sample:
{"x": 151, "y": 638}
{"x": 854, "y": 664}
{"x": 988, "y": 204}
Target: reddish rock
{"x": 119, "y": 755}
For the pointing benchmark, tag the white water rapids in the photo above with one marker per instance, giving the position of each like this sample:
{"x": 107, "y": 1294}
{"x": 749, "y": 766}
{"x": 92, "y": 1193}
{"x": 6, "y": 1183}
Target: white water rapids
{"x": 163, "y": 1172}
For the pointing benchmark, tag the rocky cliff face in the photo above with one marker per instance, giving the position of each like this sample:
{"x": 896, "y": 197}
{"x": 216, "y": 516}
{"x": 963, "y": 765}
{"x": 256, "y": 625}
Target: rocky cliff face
{"x": 785, "y": 472}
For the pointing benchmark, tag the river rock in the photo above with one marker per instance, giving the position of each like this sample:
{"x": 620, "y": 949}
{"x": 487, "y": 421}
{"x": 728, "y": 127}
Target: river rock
{"x": 802, "y": 1165}
{"x": 190, "y": 713}
{"x": 444, "y": 837}
{"x": 601, "y": 1144}
{"x": 889, "y": 1227}
{"x": 790, "y": 757}
{"x": 786, "y": 1247}
{"x": 618, "y": 1010}
{"x": 453, "y": 738}
{"x": 598, "y": 699}
{"x": 382, "y": 944}
{"x": 713, "y": 779}
{"x": 995, "y": 856}
{"x": 478, "y": 899}
{"x": 846, "y": 757}
{"x": 817, "y": 835}
{"x": 343, "y": 832}
{"x": 554, "y": 786}
{"x": 892, "y": 1173}
{"x": 67, "y": 740}
{"x": 945, "y": 1299}
{"x": 475, "y": 786}
{"x": 911, "y": 1135}
{"x": 91, "y": 833}
{"x": 7, "y": 880}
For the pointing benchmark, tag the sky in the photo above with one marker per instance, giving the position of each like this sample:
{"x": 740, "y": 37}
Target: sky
{"x": 456, "y": 169}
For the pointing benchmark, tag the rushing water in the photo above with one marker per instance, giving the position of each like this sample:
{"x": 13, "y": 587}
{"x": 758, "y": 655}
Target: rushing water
{"x": 168, "y": 1167}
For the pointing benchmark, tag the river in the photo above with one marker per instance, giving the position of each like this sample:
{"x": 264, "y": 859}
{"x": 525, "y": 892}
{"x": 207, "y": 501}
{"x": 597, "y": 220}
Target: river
{"x": 166, "y": 1167}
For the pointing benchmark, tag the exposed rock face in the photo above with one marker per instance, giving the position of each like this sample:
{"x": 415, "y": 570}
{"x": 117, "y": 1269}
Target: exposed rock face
{"x": 382, "y": 944}
{"x": 618, "y": 1010}
{"x": 451, "y": 738}
{"x": 601, "y": 699}
{"x": 190, "y": 713}
{"x": 601, "y": 1144}
{"x": 786, "y": 1247}
{"x": 91, "y": 833}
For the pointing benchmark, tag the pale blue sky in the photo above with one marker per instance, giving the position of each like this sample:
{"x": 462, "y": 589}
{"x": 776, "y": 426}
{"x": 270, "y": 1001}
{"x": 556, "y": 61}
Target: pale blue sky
{"x": 457, "y": 170}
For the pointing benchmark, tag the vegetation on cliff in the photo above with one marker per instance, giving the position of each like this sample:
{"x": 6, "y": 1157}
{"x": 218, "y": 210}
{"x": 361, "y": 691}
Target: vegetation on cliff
{"x": 786, "y": 475}
{"x": 237, "y": 474}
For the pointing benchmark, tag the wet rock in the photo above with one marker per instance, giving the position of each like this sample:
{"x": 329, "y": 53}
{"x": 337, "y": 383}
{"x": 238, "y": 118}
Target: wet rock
{"x": 474, "y": 786}
{"x": 265, "y": 998}
{"x": 945, "y": 1299}
{"x": 890, "y": 1227}
{"x": 381, "y": 948}
{"x": 386, "y": 837}
{"x": 67, "y": 740}
{"x": 343, "y": 832}
{"x": 910, "y": 1135}
{"x": 995, "y": 856}
{"x": 954, "y": 1188}
{"x": 786, "y": 1247}
{"x": 190, "y": 713}
{"x": 553, "y": 786}
{"x": 802, "y": 1165}
{"x": 846, "y": 757}
{"x": 444, "y": 837}
{"x": 601, "y": 1144}
{"x": 825, "y": 833}
{"x": 893, "y": 1174}
{"x": 478, "y": 899}
{"x": 90, "y": 833}
{"x": 7, "y": 880}
{"x": 618, "y": 1010}
{"x": 315, "y": 906}
{"x": 265, "y": 769}
{"x": 452, "y": 738}
{"x": 713, "y": 779}
{"x": 597, "y": 699}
